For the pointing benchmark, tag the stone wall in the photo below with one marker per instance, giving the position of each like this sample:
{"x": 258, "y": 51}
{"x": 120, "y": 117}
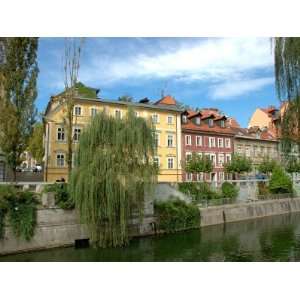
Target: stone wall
{"x": 245, "y": 211}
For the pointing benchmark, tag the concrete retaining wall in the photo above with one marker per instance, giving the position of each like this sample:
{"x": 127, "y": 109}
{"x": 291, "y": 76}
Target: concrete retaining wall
{"x": 58, "y": 228}
{"x": 245, "y": 211}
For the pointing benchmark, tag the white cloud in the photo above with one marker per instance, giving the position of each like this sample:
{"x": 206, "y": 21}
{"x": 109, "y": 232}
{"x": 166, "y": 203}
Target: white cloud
{"x": 214, "y": 60}
{"x": 239, "y": 87}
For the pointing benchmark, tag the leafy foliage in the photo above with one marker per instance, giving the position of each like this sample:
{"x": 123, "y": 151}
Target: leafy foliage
{"x": 229, "y": 190}
{"x": 292, "y": 165}
{"x": 21, "y": 209}
{"x": 280, "y": 182}
{"x": 174, "y": 215}
{"x": 113, "y": 167}
{"x": 35, "y": 145}
{"x": 125, "y": 98}
{"x": 267, "y": 165}
{"x": 5, "y": 191}
{"x": 18, "y": 112}
{"x": 238, "y": 164}
{"x": 85, "y": 91}
{"x": 62, "y": 195}
{"x": 198, "y": 164}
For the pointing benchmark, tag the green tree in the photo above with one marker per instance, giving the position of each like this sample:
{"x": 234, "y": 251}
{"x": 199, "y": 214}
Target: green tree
{"x": 267, "y": 165}
{"x": 280, "y": 182}
{"x": 198, "y": 164}
{"x": 287, "y": 79}
{"x": 292, "y": 165}
{"x": 238, "y": 164}
{"x": 125, "y": 98}
{"x": 18, "y": 112}
{"x": 113, "y": 167}
{"x": 35, "y": 145}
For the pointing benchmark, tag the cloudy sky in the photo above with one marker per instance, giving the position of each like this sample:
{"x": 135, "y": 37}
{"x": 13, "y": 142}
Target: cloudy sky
{"x": 233, "y": 74}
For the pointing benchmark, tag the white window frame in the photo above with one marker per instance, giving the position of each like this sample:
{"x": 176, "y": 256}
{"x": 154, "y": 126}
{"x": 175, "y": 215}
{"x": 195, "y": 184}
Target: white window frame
{"x": 170, "y": 120}
{"x": 221, "y": 159}
{"x": 210, "y": 122}
{"x": 158, "y": 160}
{"x": 79, "y": 108}
{"x": 213, "y": 158}
{"x": 155, "y": 118}
{"x": 220, "y": 145}
{"x": 221, "y": 176}
{"x": 211, "y": 142}
{"x": 222, "y": 123}
{"x": 227, "y": 143}
{"x": 184, "y": 119}
{"x": 228, "y": 155}
{"x": 76, "y": 134}
{"x": 188, "y": 140}
{"x": 170, "y": 159}
{"x": 198, "y": 120}
{"x": 116, "y": 114}
{"x": 172, "y": 139}
{"x": 188, "y": 154}
{"x": 199, "y": 138}
{"x": 189, "y": 177}
{"x": 62, "y": 134}
{"x": 94, "y": 111}
{"x": 61, "y": 159}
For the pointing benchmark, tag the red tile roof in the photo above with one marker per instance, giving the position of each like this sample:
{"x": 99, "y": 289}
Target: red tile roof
{"x": 167, "y": 100}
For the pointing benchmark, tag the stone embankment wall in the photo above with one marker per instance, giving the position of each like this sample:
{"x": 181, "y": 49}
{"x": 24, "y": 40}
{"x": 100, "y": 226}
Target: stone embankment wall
{"x": 244, "y": 211}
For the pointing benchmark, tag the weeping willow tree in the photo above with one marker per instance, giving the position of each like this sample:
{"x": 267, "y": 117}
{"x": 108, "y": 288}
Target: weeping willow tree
{"x": 287, "y": 76}
{"x": 113, "y": 168}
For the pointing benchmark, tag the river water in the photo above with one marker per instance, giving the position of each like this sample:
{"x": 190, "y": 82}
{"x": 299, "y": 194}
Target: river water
{"x": 267, "y": 239}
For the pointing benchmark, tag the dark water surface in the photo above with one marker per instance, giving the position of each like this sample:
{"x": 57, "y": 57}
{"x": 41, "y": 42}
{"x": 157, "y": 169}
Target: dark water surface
{"x": 266, "y": 239}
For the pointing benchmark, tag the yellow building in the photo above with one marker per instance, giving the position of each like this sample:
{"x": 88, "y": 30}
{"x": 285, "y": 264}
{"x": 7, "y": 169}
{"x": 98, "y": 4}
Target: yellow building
{"x": 164, "y": 113}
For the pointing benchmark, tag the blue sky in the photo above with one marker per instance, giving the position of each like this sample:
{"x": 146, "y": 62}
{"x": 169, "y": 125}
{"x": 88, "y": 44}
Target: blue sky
{"x": 235, "y": 75}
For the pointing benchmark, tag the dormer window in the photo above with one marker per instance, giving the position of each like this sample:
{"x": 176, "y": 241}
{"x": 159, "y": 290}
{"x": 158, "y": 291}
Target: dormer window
{"x": 198, "y": 120}
{"x": 184, "y": 119}
{"x": 210, "y": 122}
{"x": 222, "y": 123}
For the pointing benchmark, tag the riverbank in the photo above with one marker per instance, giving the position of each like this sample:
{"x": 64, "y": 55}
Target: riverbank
{"x": 61, "y": 228}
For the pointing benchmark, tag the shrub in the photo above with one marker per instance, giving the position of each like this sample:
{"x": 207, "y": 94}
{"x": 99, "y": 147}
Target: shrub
{"x": 173, "y": 215}
{"x": 229, "y": 190}
{"x": 280, "y": 182}
{"x": 5, "y": 192}
{"x": 61, "y": 194}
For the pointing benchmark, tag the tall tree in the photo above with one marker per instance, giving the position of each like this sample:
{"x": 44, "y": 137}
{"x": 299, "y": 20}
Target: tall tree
{"x": 113, "y": 166}
{"x": 238, "y": 164}
{"x": 198, "y": 164}
{"x": 287, "y": 77}
{"x": 71, "y": 61}
{"x": 18, "y": 112}
{"x": 35, "y": 145}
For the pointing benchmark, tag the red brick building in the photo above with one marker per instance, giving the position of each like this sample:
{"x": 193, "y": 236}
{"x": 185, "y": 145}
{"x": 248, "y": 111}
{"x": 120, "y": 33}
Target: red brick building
{"x": 206, "y": 132}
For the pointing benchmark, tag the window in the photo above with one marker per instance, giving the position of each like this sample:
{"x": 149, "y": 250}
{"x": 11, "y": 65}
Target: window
{"x": 188, "y": 140}
{"x": 94, "y": 111}
{"x": 156, "y": 161}
{"x": 60, "y": 134}
{"x": 60, "y": 160}
{"x": 118, "y": 114}
{"x": 198, "y": 120}
{"x": 220, "y": 159}
{"x": 184, "y": 119}
{"x": 228, "y": 157}
{"x": 156, "y": 139}
{"x": 170, "y": 140}
{"x": 170, "y": 119}
{"x": 222, "y": 125}
{"x": 213, "y": 159}
{"x": 221, "y": 176}
{"x": 210, "y": 122}
{"x": 227, "y": 143}
{"x": 77, "y": 111}
{"x": 198, "y": 140}
{"x": 199, "y": 176}
{"x": 155, "y": 119}
{"x": 189, "y": 177}
{"x": 211, "y": 142}
{"x": 76, "y": 135}
{"x": 137, "y": 114}
{"x": 248, "y": 151}
{"x": 220, "y": 143}
{"x": 170, "y": 163}
{"x": 188, "y": 156}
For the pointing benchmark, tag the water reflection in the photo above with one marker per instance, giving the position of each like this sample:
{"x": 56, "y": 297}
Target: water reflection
{"x": 267, "y": 239}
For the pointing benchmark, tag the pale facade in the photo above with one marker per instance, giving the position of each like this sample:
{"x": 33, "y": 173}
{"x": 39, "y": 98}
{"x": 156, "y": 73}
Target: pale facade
{"x": 164, "y": 114}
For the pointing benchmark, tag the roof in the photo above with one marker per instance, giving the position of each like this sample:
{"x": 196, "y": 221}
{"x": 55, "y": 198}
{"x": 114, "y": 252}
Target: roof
{"x": 251, "y": 133}
{"x": 167, "y": 100}
{"x": 233, "y": 122}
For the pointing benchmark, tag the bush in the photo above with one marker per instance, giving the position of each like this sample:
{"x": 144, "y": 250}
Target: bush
{"x": 5, "y": 192}
{"x": 229, "y": 190}
{"x": 61, "y": 194}
{"x": 173, "y": 215}
{"x": 280, "y": 182}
